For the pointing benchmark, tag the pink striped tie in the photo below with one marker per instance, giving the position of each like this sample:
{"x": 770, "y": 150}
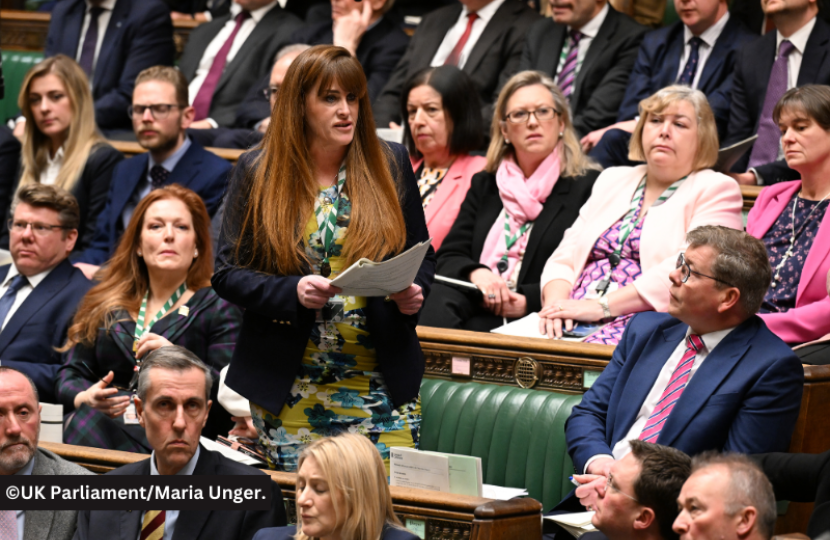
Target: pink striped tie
{"x": 673, "y": 390}
{"x": 568, "y": 73}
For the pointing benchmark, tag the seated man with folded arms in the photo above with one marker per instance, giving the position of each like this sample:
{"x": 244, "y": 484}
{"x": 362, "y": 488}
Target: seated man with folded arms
{"x": 160, "y": 114}
{"x": 172, "y": 404}
{"x": 708, "y": 375}
{"x": 20, "y": 455}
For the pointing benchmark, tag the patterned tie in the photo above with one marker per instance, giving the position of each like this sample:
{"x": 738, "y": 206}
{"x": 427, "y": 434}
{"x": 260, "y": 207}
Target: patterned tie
{"x": 205, "y": 94}
{"x": 455, "y": 56}
{"x": 158, "y": 176}
{"x": 90, "y": 41}
{"x": 568, "y": 74}
{"x": 7, "y": 300}
{"x": 688, "y": 75}
{"x": 765, "y": 149}
{"x": 152, "y": 528}
{"x": 673, "y": 390}
{"x": 8, "y": 525}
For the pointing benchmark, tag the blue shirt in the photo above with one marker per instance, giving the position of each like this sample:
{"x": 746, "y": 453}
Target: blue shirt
{"x": 21, "y": 514}
{"x": 170, "y": 516}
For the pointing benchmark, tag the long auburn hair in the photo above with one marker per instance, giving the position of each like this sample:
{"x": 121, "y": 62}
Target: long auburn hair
{"x": 83, "y": 133}
{"x": 124, "y": 281}
{"x": 282, "y": 186}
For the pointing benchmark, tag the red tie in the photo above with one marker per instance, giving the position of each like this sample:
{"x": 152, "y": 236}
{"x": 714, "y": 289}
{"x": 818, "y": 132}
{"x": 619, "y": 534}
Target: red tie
{"x": 455, "y": 55}
{"x": 205, "y": 94}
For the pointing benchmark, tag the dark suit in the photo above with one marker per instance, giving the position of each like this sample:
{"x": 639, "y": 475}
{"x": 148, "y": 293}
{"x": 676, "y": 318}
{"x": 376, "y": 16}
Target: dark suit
{"x": 39, "y": 325}
{"x": 287, "y": 533}
{"x": 139, "y": 35}
{"x": 202, "y": 171}
{"x": 275, "y": 326}
{"x": 9, "y": 167}
{"x": 496, "y": 53}
{"x": 252, "y": 61}
{"x": 191, "y": 524}
{"x": 601, "y": 80}
{"x": 753, "y": 66}
{"x": 461, "y": 250}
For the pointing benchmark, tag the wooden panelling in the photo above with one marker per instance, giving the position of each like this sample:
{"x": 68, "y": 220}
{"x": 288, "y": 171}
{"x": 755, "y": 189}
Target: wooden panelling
{"x": 131, "y": 149}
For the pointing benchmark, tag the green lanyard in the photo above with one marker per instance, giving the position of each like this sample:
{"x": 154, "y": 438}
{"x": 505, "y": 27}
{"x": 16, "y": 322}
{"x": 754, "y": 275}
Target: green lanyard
{"x": 327, "y": 219}
{"x": 140, "y": 329}
{"x": 509, "y": 240}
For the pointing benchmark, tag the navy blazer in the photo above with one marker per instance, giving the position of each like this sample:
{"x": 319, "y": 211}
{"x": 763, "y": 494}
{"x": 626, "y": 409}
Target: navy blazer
{"x": 139, "y": 35}
{"x": 275, "y": 326}
{"x": 39, "y": 325}
{"x": 745, "y": 397}
{"x": 659, "y": 61}
{"x": 287, "y": 533}
{"x": 202, "y": 171}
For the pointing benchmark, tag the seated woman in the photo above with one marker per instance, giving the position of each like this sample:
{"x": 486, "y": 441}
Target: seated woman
{"x": 789, "y": 217}
{"x": 154, "y": 292}
{"x": 443, "y": 126}
{"x": 516, "y": 211}
{"x": 342, "y": 493}
{"x": 616, "y": 259}
{"x": 61, "y": 144}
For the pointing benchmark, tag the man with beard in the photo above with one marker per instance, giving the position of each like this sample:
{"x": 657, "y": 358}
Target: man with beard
{"x": 19, "y": 454}
{"x": 160, "y": 115}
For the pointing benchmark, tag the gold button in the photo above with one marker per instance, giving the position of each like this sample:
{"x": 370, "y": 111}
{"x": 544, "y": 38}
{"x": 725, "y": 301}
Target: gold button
{"x": 288, "y": 322}
{"x": 274, "y": 321}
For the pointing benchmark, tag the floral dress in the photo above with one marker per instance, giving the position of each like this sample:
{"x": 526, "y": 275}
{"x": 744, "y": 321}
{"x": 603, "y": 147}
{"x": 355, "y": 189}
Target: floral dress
{"x": 338, "y": 387}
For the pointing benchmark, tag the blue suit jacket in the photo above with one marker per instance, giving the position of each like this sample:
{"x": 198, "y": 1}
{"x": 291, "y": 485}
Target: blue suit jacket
{"x": 139, "y": 35}
{"x": 287, "y": 533}
{"x": 745, "y": 397}
{"x": 659, "y": 61}
{"x": 27, "y": 341}
{"x": 202, "y": 171}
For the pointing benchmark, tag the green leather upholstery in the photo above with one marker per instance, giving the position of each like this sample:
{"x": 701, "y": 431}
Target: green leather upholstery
{"x": 15, "y": 66}
{"x": 518, "y": 433}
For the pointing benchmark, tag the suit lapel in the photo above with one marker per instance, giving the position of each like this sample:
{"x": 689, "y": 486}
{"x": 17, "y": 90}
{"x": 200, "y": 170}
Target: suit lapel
{"x": 71, "y": 32}
{"x": 128, "y": 184}
{"x": 553, "y": 205}
{"x": 501, "y": 20}
{"x": 598, "y": 46}
{"x": 188, "y": 168}
{"x": 778, "y": 204}
{"x": 263, "y": 30}
{"x": 814, "y": 54}
{"x": 552, "y": 45}
{"x": 815, "y": 256}
{"x": 674, "y": 55}
{"x": 130, "y": 523}
{"x": 443, "y": 194}
{"x": 719, "y": 53}
{"x": 120, "y": 13}
{"x": 766, "y": 55}
{"x": 191, "y": 522}
{"x": 431, "y": 42}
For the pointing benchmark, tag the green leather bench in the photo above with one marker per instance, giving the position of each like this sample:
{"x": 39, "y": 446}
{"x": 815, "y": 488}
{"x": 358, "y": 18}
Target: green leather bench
{"x": 15, "y": 66}
{"x": 518, "y": 433}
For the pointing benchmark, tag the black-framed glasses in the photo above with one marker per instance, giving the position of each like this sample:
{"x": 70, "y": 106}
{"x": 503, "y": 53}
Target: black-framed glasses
{"x": 609, "y": 484}
{"x": 40, "y": 229}
{"x": 685, "y": 271}
{"x": 542, "y": 114}
{"x": 158, "y": 111}
{"x": 271, "y": 91}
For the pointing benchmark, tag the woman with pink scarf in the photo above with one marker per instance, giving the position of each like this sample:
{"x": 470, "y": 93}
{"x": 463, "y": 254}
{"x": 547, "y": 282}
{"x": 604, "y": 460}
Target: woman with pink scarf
{"x": 515, "y": 212}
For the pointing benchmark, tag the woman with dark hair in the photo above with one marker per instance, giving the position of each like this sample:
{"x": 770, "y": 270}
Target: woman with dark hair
{"x": 443, "y": 126}
{"x": 322, "y": 193}
{"x": 516, "y": 211}
{"x": 154, "y": 292}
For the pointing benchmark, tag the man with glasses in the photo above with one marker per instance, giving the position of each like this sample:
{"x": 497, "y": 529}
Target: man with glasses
{"x": 40, "y": 290}
{"x": 160, "y": 115}
{"x": 708, "y": 375}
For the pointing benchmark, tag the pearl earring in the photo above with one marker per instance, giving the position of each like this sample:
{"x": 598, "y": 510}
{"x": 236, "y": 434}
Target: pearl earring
{"x": 195, "y": 253}
{"x": 506, "y": 141}
{"x": 561, "y": 133}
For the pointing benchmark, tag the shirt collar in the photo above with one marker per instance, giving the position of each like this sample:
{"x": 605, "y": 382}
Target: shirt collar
{"x": 256, "y": 14}
{"x": 187, "y": 470}
{"x": 486, "y": 13}
{"x": 57, "y": 159}
{"x": 711, "y": 340}
{"x": 28, "y": 468}
{"x": 711, "y": 34}
{"x": 798, "y": 39}
{"x": 591, "y": 28}
{"x": 170, "y": 163}
{"x": 109, "y": 5}
{"x": 34, "y": 281}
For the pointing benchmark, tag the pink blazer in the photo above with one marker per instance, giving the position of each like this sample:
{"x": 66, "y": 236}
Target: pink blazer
{"x": 705, "y": 198}
{"x": 810, "y": 318}
{"x": 443, "y": 209}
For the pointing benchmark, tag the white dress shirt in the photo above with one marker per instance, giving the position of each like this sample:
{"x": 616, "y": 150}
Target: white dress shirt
{"x": 103, "y": 22}
{"x": 170, "y": 516}
{"x": 23, "y": 293}
{"x": 453, "y": 35}
{"x": 21, "y": 514}
{"x": 589, "y": 32}
{"x": 53, "y": 167}
{"x": 799, "y": 41}
{"x": 709, "y": 37}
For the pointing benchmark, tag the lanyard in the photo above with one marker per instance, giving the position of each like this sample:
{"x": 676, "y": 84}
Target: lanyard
{"x": 140, "y": 329}
{"x": 326, "y": 220}
{"x": 509, "y": 240}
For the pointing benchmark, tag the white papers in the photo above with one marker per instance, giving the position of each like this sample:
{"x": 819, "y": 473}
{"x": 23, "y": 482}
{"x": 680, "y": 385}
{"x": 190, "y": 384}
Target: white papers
{"x": 576, "y": 524}
{"x": 422, "y": 470}
{"x": 228, "y": 452}
{"x": 527, "y": 326}
{"x": 501, "y": 493}
{"x": 729, "y": 155}
{"x": 367, "y": 278}
{"x": 391, "y": 135}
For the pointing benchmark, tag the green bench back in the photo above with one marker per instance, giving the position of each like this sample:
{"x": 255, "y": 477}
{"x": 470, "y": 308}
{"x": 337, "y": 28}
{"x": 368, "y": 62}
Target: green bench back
{"x": 15, "y": 66}
{"x": 518, "y": 433}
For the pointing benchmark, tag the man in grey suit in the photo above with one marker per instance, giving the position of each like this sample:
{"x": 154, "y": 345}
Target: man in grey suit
{"x": 19, "y": 454}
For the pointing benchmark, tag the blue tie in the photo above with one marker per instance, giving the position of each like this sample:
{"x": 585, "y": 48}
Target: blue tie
{"x": 688, "y": 75}
{"x": 7, "y": 300}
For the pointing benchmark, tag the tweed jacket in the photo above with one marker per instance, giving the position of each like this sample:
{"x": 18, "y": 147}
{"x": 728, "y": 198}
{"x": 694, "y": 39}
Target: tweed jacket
{"x": 51, "y": 524}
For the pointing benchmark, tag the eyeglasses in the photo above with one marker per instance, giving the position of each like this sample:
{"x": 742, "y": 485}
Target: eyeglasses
{"x": 159, "y": 111}
{"x": 40, "y": 229}
{"x": 609, "y": 484}
{"x": 685, "y": 271}
{"x": 542, "y": 114}
{"x": 270, "y": 91}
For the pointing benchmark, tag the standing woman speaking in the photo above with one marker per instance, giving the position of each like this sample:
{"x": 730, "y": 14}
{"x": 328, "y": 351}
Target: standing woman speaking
{"x": 321, "y": 193}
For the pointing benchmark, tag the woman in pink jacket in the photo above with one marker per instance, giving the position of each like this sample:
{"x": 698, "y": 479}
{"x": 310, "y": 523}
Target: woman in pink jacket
{"x": 616, "y": 258}
{"x": 789, "y": 217}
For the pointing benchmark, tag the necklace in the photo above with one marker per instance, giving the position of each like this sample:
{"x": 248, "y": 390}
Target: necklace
{"x": 794, "y": 235}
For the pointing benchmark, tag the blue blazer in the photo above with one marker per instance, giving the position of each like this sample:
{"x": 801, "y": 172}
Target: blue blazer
{"x": 139, "y": 35}
{"x": 275, "y": 326}
{"x": 745, "y": 397}
{"x": 287, "y": 533}
{"x": 202, "y": 171}
{"x": 27, "y": 341}
{"x": 659, "y": 61}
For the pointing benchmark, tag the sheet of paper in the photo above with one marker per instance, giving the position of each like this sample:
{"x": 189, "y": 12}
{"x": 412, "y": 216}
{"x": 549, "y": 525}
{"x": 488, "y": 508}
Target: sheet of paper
{"x": 228, "y": 452}
{"x": 576, "y": 519}
{"x": 465, "y": 473}
{"x": 367, "y": 278}
{"x": 729, "y": 155}
{"x": 527, "y": 326}
{"x": 502, "y": 493}
{"x": 422, "y": 470}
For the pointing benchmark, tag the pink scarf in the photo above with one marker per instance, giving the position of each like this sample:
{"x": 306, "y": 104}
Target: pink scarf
{"x": 523, "y": 198}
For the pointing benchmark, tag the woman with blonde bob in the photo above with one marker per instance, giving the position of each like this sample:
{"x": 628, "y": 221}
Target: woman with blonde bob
{"x": 61, "y": 144}
{"x": 321, "y": 193}
{"x": 616, "y": 259}
{"x": 342, "y": 493}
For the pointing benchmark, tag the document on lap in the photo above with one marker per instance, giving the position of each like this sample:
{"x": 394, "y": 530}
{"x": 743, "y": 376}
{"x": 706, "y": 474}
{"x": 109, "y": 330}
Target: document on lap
{"x": 368, "y": 278}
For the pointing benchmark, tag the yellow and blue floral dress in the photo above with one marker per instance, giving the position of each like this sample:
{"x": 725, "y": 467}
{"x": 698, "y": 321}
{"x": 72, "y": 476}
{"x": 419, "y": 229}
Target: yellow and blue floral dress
{"x": 338, "y": 387}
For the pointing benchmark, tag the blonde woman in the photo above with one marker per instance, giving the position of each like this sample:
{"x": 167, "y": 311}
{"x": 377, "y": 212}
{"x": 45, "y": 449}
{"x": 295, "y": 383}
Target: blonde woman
{"x": 342, "y": 493}
{"x": 61, "y": 144}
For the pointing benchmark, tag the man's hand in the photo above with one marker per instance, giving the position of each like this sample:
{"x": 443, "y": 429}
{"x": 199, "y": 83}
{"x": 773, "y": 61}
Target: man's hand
{"x": 89, "y": 270}
{"x": 244, "y": 428}
{"x": 515, "y": 307}
{"x": 591, "y": 488}
{"x": 349, "y": 28}
{"x": 592, "y": 139}
{"x": 409, "y": 300}
{"x": 201, "y": 124}
{"x": 263, "y": 126}
{"x": 745, "y": 179}
{"x": 19, "y": 129}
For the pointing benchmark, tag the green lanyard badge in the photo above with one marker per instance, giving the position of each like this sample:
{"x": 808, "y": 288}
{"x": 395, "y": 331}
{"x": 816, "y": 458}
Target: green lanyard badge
{"x": 326, "y": 220}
